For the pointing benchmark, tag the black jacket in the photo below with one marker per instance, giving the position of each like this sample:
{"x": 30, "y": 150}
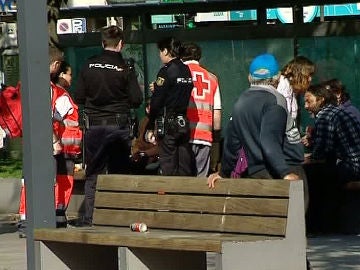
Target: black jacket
{"x": 107, "y": 85}
{"x": 172, "y": 89}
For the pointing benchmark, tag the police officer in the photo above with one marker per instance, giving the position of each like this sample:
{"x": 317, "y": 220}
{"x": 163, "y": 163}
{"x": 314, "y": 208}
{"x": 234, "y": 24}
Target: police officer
{"x": 171, "y": 94}
{"x": 107, "y": 87}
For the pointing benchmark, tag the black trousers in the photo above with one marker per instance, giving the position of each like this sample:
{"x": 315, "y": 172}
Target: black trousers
{"x": 107, "y": 150}
{"x": 176, "y": 156}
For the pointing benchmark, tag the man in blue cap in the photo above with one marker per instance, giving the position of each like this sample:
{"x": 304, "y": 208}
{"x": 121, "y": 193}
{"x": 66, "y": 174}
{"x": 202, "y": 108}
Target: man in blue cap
{"x": 258, "y": 125}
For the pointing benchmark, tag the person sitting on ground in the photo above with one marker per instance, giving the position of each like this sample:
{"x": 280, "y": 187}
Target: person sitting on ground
{"x": 144, "y": 149}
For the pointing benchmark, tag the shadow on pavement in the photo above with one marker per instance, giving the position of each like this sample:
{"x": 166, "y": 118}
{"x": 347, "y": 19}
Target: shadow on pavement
{"x": 7, "y": 228}
{"x": 334, "y": 252}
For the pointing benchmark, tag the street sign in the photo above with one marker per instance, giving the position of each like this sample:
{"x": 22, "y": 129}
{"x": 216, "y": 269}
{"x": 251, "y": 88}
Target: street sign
{"x": 71, "y": 26}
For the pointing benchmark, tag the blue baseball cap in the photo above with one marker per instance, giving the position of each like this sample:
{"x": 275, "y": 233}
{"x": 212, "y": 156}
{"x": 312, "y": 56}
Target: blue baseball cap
{"x": 264, "y": 66}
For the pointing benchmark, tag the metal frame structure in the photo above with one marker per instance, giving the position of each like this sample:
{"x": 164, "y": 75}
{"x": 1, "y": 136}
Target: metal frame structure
{"x": 33, "y": 38}
{"x": 250, "y": 30}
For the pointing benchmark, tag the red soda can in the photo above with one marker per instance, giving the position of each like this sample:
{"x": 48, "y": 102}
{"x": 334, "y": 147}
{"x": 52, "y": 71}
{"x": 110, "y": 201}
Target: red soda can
{"x": 138, "y": 227}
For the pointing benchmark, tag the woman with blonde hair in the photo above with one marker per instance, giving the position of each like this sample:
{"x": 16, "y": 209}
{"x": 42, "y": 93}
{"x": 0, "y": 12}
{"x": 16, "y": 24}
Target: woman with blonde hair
{"x": 294, "y": 80}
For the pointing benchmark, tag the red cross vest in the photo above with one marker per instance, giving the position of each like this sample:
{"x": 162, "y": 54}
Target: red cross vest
{"x": 201, "y": 104}
{"x": 68, "y": 131}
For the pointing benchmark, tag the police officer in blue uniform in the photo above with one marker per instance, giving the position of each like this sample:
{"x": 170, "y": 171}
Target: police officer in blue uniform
{"x": 108, "y": 89}
{"x": 171, "y": 94}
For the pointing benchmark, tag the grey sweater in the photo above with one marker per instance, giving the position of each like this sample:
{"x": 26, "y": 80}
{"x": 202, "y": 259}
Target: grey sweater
{"x": 259, "y": 123}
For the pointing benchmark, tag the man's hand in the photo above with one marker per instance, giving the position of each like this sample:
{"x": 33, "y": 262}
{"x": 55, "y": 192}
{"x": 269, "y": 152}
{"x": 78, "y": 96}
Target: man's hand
{"x": 212, "y": 179}
{"x": 291, "y": 177}
{"x": 57, "y": 147}
{"x": 151, "y": 87}
{"x": 138, "y": 156}
{"x": 306, "y": 141}
{"x": 150, "y": 137}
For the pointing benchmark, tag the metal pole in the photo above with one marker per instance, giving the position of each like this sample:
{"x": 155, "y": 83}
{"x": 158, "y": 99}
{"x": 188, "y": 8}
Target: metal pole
{"x": 38, "y": 163}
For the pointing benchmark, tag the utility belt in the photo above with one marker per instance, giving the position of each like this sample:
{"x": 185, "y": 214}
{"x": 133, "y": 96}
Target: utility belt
{"x": 129, "y": 121}
{"x": 172, "y": 124}
{"x": 121, "y": 120}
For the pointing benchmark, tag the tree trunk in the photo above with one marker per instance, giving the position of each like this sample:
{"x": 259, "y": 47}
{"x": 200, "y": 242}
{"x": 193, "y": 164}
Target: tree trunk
{"x": 53, "y": 7}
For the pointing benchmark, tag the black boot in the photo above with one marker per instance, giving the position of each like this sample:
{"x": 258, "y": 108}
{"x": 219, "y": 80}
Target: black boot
{"x": 22, "y": 226}
{"x": 61, "y": 220}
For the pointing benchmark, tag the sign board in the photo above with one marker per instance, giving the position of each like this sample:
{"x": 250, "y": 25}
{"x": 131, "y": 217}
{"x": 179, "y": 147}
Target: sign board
{"x": 78, "y": 25}
{"x": 7, "y": 5}
{"x": 218, "y": 16}
{"x": 162, "y": 19}
{"x": 85, "y": 3}
{"x": 243, "y": 15}
{"x": 71, "y": 26}
{"x": 285, "y": 15}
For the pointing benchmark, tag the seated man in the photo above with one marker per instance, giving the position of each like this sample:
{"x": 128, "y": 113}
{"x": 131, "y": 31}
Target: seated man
{"x": 144, "y": 149}
{"x": 335, "y": 138}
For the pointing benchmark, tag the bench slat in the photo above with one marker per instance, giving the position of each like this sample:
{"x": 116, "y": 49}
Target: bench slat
{"x": 193, "y": 222}
{"x": 201, "y": 204}
{"x": 174, "y": 184}
{"x": 159, "y": 239}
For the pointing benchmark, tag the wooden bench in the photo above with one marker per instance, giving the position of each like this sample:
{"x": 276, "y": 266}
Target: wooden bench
{"x": 241, "y": 224}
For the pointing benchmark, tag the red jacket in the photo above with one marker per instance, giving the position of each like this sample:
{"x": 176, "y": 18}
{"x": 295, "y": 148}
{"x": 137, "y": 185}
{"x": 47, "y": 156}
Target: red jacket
{"x": 10, "y": 111}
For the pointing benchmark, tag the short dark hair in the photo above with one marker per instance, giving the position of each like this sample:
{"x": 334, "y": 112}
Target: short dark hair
{"x": 191, "y": 51}
{"x": 55, "y": 54}
{"x": 172, "y": 45}
{"x": 322, "y": 91}
{"x": 111, "y": 36}
{"x": 63, "y": 68}
{"x": 337, "y": 88}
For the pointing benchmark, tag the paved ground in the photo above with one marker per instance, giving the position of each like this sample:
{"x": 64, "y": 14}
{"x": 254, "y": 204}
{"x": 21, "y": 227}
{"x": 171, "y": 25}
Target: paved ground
{"x": 334, "y": 252}
{"x": 331, "y": 252}
{"x": 12, "y": 249}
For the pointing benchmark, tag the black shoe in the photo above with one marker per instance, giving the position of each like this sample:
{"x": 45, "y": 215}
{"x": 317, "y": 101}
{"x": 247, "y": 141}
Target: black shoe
{"x": 81, "y": 222}
{"x": 308, "y": 265}
{"x": 22, "y": 225}
{"x": 61, "y": 219}
{"x": 61, "y": 224}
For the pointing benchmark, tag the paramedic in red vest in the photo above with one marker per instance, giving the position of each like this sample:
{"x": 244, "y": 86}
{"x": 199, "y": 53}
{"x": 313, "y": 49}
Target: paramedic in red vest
{"x": 56, "y": 57}
{"x": 107, "y": 87}
{"x": 204, "y": 110}
{"x": 66, "y": 139}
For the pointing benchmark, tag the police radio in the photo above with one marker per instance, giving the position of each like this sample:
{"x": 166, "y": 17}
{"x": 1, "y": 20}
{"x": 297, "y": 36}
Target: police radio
{"x": 133, "y": 124}
{"x": 160, "y": 125}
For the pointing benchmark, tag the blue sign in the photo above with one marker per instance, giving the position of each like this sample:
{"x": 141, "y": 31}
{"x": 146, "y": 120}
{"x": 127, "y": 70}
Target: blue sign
{"x": 6, "y": 4}
{"x": 243, "y": 15}
{"x": 342, "y": 10}
{"x": 329, "y": 10}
